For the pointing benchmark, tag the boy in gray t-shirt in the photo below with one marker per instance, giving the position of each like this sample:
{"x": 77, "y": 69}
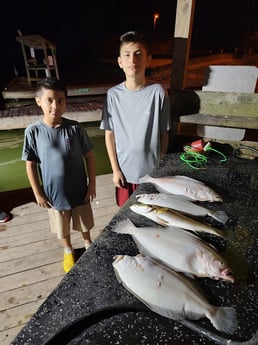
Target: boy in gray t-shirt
{"x": 136, "y": 118}
{"x": 55, "y": 150}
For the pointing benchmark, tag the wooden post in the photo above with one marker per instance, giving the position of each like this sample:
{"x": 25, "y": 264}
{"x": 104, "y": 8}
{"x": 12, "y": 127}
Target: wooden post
{"x": 182, "y": 40}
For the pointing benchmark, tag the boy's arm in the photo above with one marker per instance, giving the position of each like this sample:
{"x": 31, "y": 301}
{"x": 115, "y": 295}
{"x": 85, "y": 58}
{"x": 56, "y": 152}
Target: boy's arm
{"x": 164, "y": 139}
{"x": 91, "y": 170}
{"x": 32, "y": 173}
{"x": 118, "y": 178}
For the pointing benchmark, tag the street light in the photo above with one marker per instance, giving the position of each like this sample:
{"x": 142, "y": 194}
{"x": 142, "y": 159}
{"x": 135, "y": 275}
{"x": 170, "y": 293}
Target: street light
{"x": 155, "y": 17}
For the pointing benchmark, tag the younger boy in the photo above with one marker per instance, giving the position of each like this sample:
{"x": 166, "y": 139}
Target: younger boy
{"x": 56, "y": 150}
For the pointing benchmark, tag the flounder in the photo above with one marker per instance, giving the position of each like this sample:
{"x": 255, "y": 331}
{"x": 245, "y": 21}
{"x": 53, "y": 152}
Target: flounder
{"x": 169, "y": 293}
{"x": 178, "y": 249}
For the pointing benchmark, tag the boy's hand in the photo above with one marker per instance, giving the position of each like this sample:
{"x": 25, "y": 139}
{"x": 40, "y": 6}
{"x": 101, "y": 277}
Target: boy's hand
{"x": 42, "y": 201}
{"x": 91, "y": 193}
{"x": 118, "y": 179}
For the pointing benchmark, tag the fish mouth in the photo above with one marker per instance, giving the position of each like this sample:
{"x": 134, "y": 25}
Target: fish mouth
{"x": 228, "y": 276}
{"x": 144, "y": 196}
{"x": 218, "y": 199}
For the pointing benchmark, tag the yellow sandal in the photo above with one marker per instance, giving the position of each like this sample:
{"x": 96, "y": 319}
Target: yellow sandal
{"x": 68, "y": 262}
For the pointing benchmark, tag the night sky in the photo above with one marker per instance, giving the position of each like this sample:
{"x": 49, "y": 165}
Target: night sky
{"x": 84, "y": 30}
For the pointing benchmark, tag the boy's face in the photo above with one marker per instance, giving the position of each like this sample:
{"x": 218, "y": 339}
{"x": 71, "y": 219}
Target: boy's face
{"x": 133, "y": 59}
{"x": 53, "y": 104}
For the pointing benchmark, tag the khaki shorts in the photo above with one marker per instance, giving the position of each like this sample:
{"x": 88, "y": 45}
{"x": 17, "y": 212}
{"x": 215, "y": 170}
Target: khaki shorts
{"x": 81, "y": 218}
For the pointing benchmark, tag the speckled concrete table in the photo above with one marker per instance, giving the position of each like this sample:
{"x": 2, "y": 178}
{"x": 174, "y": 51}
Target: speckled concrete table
{"x": 90, "y": 307}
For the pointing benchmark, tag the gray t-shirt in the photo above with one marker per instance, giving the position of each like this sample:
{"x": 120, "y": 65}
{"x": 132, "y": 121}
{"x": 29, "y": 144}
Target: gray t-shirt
{"x": 137, "y": 119}
{"x": 59, "y": 153}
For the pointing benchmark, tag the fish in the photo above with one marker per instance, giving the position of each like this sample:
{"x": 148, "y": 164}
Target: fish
{"x": 168, "y": 293}
{"x": 182, "y": 204}
{"x": 183, "y": 185}
{"x": 166, "y": 217}
{"x": 178, "y": 249}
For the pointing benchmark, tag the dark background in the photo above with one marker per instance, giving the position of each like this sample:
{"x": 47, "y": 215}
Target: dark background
{"x": 85, "y": 32}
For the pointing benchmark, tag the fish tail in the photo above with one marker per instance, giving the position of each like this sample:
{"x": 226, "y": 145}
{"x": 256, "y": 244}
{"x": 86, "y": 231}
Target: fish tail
{"x": 225, "y": 319}
{"x": 216, "y": 232}
{"x": 125, "y": 226}
{"x": 220, "y": 216}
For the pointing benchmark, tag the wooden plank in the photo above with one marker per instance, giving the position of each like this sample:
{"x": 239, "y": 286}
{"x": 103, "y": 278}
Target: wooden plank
{"x": 26, "y": 294}
{"x": 29, "y": 277}
{"x": 35, "y": 41}
{"x": 20, "y": 218}
{"x": 9, "y": 334}
{"x": 181, "y": 44}
{"x": 103, "y": 221}
{"x": 228, "y": 103}
{"x": 23, "y": 121}
{"x": 18, "y": 88}
{"x": 31, "y": 257}
{"x": 30, "y": 244}
{"x": 221, "y": 121}
{"x": 18, "y": 315}
{"x": 187, "y": 102}
{"x": 37, "y": 245}
{"x": 7, "y": 231}
{"x": 30, "y": 262}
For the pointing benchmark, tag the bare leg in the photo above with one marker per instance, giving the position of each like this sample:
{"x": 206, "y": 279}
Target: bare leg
{"x": 87, "y": 239}
{"x": 67, "y": 241}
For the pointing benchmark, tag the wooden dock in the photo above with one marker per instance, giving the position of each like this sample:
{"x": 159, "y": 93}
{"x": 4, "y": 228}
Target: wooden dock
{"x": 89, "y": 110}
{"x": 18, "y": 88}
{"x": 31, "y": 257}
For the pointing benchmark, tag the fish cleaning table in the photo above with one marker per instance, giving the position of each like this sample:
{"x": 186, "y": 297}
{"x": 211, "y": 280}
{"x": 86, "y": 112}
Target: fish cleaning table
{"x": 89, "y": 306}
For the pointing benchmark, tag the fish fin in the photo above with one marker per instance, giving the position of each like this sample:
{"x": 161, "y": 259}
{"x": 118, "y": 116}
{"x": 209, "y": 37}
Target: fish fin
{"x": 145, "y": 179}
{"x": 225, "y": 319}
{"x": 189, "y": 275}
{"x": 212, "y": 231}
{"x": 170, "y": 314}
{"x": 180, "y": 197}
{"x": 120, "y": 281}
{"x": 188, "y": 178}
{"x": 125, "y": 226}
{"x": 141, "y": 248}
{"x": 162, "y": 221}
{"x": 220, "y": 216}
{"x": 217, "y": 232}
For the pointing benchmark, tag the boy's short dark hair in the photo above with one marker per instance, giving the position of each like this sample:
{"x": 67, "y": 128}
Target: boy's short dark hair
{"x": 135, "y": 36}
{"x": 51, "y": 83}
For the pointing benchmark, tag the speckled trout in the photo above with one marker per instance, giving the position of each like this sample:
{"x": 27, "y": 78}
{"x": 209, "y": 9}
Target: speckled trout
{"x": 169, "y": 293}
{"x": 181, "y": 204}
{"x": 178, "y": 249}
{"x": 166, "y": 217}
{"x": 183, "y": 185}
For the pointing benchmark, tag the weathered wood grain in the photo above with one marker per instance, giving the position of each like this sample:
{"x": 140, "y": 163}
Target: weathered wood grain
{"x": 31, "y": 257}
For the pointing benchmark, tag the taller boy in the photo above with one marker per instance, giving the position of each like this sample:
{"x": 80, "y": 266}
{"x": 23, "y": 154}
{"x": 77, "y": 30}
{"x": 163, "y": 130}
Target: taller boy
{"x": 136, "y": 118}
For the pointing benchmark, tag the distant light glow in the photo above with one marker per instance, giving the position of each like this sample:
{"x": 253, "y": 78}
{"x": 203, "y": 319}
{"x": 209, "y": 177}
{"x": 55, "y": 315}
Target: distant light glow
{"x": 155, "y": 17}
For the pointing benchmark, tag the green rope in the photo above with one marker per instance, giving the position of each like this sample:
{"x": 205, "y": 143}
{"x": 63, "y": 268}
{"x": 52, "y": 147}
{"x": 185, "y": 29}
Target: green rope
{"x": 196, "y": 160}
{"x": 220, "y": 153}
